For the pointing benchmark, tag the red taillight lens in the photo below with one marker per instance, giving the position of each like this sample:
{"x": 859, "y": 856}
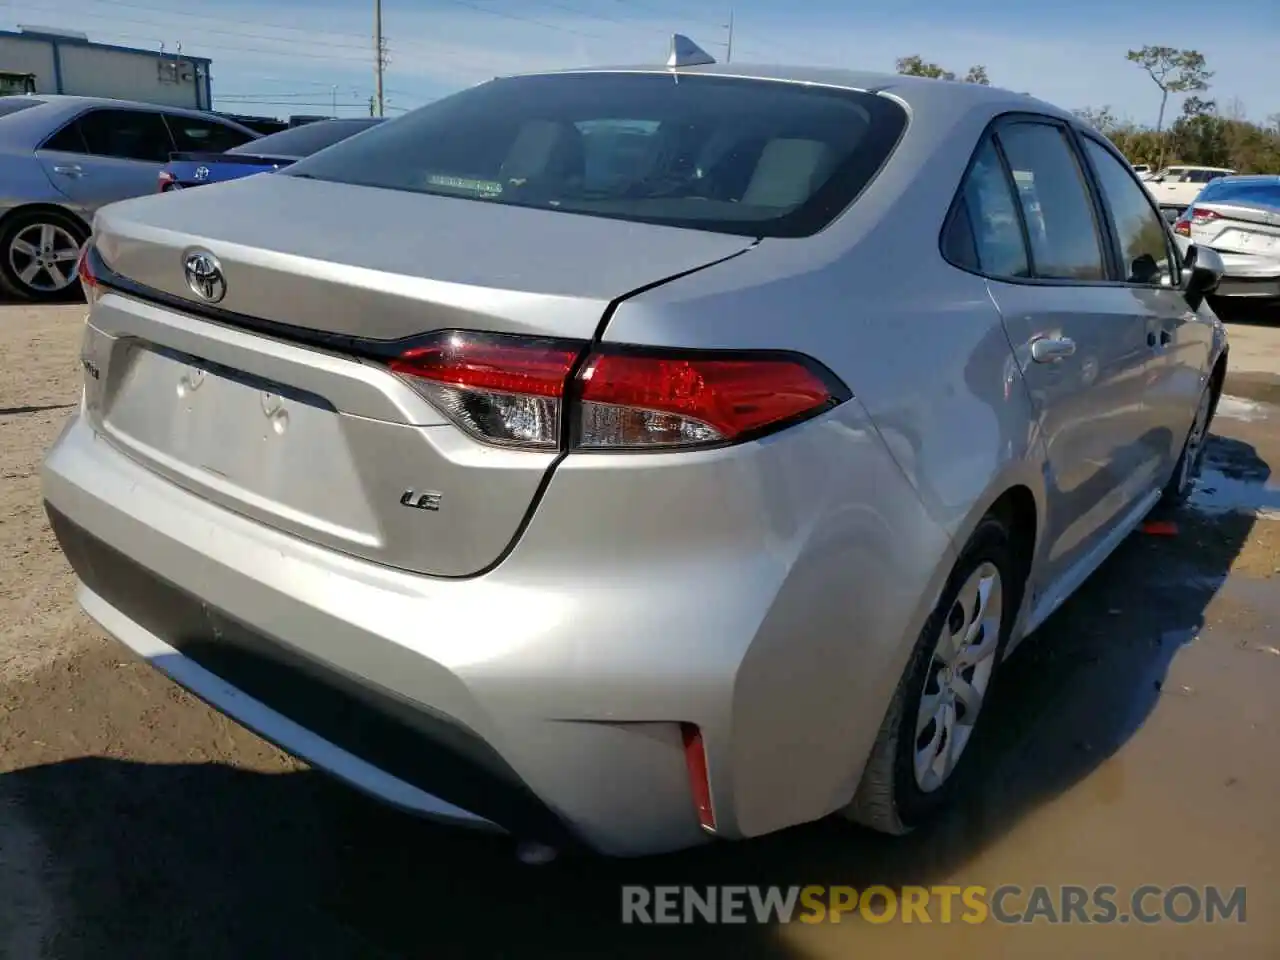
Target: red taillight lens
{"x": 165, "y": 179}
{"x": 500, "y": 389}
{"x": 1182, "y": 227}
{"x": 84, "y": 270}
{"x": 1199, "y": 216}
{"x": 513, "y": 391}
{"x": 640, "y": 400}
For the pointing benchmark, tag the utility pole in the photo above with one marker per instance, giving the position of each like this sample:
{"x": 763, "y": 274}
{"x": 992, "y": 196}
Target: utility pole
{"x": 728, "y": 56}
{"x": 379, "y": 59}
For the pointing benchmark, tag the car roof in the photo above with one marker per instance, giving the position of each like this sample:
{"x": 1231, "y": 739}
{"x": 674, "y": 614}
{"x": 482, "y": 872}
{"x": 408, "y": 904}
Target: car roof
{"x": 28, "y": 128}
{"x": 1250, "y": 178}
{"x": 915, "y": 91}
{"x": 72, "y": 101}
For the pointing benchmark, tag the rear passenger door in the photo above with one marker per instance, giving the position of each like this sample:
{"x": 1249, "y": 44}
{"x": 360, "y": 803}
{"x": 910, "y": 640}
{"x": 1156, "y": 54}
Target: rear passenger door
{"x": 106, "y": 155}
{"x": 1179, "y": 340}
{"x": 1082, "y": 350}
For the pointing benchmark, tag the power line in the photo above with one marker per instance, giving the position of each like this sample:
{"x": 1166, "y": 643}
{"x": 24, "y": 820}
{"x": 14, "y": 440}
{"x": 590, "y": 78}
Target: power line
{"x": 357, "y": 40}
{"x": 512, "y": 16}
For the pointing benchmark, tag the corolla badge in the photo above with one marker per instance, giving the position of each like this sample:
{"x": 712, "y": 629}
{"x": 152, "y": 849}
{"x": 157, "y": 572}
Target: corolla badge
{"x": 204, "y": 276}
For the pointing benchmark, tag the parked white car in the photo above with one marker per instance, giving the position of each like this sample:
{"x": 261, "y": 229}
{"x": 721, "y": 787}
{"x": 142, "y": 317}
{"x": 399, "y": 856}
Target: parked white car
{"x": 1240, "y": 218}
{"x": 1143, "y": 170}
{"x": 1175, "y": 187}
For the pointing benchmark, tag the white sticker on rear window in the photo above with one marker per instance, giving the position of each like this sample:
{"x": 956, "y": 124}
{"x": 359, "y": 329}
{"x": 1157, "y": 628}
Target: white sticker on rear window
{"x": 482, "y": 188}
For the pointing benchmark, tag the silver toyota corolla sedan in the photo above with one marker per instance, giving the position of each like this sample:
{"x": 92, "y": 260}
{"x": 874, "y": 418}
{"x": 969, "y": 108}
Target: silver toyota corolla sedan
{"x": 627, "y": 457}
{"x": 62, "y": 157}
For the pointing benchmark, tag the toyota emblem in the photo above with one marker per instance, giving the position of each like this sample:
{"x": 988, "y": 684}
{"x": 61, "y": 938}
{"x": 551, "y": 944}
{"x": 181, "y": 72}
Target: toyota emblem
{"x": 204, "y": 276}
{"x": 202, "y": 173}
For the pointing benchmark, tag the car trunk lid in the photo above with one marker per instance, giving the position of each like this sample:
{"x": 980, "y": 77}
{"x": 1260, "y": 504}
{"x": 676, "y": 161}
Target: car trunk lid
{"x": 1241, "y": 228}
{"x": 263, "y": 402}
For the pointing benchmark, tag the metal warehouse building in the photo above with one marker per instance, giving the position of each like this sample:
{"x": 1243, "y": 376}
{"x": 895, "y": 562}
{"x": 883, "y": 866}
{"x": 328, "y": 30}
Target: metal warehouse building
{"x": 66, "y": 62}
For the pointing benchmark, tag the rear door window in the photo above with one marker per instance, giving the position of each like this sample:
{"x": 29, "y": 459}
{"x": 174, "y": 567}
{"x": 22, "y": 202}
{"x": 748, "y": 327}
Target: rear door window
{"x": 732, "y": 155}
{"x": 1143, "y": 237}
{"x": 1055, "y": 202}
{"x": 195, "y": 134}
{"x": 126, "y": 135}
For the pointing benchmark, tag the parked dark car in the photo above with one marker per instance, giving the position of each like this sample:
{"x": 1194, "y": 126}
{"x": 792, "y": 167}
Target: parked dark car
{"x": 267, "y": 153}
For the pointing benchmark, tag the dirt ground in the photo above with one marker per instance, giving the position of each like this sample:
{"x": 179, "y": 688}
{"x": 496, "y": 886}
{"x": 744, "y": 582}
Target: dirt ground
{"x": 1132, "y": 742}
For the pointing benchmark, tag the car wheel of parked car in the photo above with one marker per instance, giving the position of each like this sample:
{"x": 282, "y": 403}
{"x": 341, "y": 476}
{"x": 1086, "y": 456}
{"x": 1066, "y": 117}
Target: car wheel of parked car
{"x": 38, "y": 254}
{"x": 1188, "y": 466}
{"x": 920, "y": 753}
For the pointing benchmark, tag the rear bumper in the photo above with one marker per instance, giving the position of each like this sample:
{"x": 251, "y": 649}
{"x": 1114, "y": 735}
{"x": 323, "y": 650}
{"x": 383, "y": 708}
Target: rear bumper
{"x": 366, "y": 736}
{"x": 546, "y": 696}
{"x": 1249, "y": 275}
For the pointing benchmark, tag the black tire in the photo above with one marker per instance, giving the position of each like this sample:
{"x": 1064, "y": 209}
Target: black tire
{"x": 888, "y": 798}
{"x": 21, "y": 221}
{"x": 1187, "y": 469}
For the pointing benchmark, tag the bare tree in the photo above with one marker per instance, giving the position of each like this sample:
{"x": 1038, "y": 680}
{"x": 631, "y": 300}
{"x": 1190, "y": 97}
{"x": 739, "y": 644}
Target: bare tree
{"x": 1100, "y": 118}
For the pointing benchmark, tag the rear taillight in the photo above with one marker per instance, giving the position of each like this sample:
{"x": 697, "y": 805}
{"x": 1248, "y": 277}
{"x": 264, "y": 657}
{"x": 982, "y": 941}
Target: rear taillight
{"x": 165, "y": 180}
{"x": 644, "y": 400}
{"x": 524, "y": 392}
{"x": 1200, "y": 216}
{"x": 500, "y": 389}
{"x": 88, "y": 281}
{"x": 1182, "y": 227}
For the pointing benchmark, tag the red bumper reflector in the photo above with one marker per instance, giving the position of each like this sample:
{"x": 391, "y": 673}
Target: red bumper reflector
{"x": 695, "y": 758}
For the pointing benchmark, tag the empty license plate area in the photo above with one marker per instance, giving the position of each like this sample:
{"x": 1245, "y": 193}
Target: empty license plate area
{"x": 264, "y": 448}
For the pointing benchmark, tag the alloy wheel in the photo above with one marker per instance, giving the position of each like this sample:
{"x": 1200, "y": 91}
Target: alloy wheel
{"x": 43, "y": 257}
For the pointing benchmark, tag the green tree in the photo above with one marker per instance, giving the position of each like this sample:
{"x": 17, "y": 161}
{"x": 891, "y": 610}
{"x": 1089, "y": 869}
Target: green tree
{"x": 1173, "y": 71}
{"x": 917, "y": 66}
{"x": 1195, "y": 106}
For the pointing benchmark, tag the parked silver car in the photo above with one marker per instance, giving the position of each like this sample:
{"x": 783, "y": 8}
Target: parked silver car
{"x": 63, "y": 157}
{"x": 1240, "y": 218}
{"x": 632, "y": 456}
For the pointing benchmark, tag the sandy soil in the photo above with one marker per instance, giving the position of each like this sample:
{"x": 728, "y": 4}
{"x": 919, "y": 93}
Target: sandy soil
{"x": 1132, "y": 742}
{"x": 39, "y": 379}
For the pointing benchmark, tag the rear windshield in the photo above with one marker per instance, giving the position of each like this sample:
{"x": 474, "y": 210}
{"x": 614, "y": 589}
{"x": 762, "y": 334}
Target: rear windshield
{"x": 304, "y": 140}
{"x": 749, "y": 157}
{"x": 8, "y": 106}
{"x": 1263, "y": 193}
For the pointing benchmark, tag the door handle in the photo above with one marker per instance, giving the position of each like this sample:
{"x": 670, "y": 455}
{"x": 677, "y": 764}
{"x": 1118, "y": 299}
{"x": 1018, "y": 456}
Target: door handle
{"x": 69, "y": 170}
{"x": 1052, "y": 349}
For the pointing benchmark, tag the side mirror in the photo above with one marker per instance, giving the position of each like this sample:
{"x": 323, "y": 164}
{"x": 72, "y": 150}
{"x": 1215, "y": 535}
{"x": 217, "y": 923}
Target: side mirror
{"x": 1204, "y": 269}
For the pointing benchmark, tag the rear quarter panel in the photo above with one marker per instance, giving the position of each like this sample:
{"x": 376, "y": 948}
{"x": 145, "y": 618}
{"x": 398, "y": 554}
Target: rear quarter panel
{"x": 923, "y": 349}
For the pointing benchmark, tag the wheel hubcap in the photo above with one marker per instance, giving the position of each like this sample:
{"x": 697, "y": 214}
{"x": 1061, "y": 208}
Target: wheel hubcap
{"x": 43, "y": 257}
{"x": 959, "y": 674}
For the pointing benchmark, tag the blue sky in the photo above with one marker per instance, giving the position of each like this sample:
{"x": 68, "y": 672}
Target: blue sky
{"x": 291, "y": 56}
